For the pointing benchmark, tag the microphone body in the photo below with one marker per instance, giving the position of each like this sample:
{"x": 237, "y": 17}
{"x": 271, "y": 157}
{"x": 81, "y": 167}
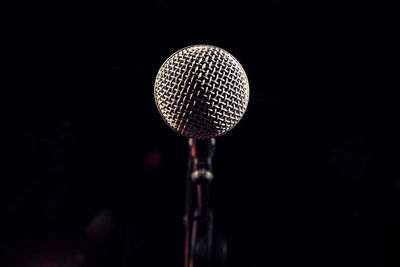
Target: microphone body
{"x": 201, "y": 92}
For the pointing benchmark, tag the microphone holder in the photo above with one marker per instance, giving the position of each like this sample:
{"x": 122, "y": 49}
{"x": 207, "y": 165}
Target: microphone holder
{"x": 202, "y": 247}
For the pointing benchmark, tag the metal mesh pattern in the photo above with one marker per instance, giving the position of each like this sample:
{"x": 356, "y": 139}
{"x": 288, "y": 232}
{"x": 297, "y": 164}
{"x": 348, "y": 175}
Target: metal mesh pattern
{"x": 201, "y": 91}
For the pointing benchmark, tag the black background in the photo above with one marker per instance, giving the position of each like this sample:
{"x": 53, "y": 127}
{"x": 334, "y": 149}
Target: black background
{"x": 92, "y": 176}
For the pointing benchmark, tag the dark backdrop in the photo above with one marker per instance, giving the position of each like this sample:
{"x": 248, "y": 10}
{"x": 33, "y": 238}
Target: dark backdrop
{"x": 92, "y": 176}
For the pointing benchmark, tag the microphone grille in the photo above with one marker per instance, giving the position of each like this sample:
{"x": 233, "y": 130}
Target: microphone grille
{"x": 201, "y": 91}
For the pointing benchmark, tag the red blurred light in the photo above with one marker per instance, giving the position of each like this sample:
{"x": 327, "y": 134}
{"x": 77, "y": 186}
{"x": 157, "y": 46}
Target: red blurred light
{"x": 154, "y": 159}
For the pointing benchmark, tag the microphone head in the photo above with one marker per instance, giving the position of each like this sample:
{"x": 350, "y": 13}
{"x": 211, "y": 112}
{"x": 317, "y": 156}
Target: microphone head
{"x": 201, "y": 91}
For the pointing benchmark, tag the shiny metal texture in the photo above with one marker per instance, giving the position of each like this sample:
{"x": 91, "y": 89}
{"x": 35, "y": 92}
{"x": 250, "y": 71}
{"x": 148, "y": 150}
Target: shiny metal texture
{"x": 201, "y": 91}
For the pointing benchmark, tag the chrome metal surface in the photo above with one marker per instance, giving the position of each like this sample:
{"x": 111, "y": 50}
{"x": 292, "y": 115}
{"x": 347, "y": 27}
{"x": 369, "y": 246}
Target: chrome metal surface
{"x": 201, "y": 91}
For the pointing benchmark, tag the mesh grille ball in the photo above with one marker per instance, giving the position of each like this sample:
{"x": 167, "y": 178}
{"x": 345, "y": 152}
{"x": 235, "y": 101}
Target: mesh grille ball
{"x": 201, "y": 91}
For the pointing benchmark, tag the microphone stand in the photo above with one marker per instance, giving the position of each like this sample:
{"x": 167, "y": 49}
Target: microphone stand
{"x": 202, "y": 249}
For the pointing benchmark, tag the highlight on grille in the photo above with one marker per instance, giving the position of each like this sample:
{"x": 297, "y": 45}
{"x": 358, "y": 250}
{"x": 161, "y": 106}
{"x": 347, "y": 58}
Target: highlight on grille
{"x": 201, "y": 91}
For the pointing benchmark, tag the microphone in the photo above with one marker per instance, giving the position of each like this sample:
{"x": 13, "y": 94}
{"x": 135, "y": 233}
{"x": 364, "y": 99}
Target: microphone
{"x": 201, "y": 92}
